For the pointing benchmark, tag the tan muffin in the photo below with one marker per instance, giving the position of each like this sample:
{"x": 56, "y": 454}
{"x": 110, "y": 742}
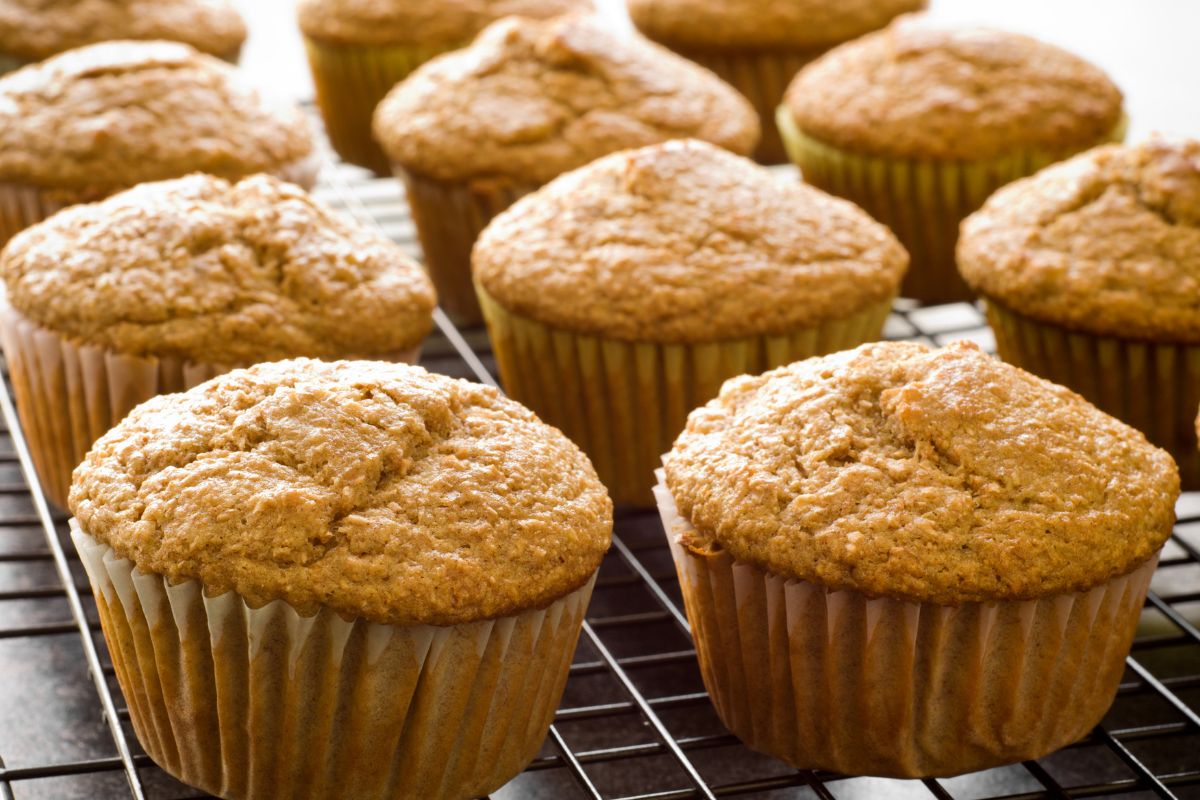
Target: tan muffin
{"x": 684, "y": 242}
{"x": 1107, "y": 242}
{"x": 217, "y": 272}
{"x": 928, "y": 475}
{"x": 535, "y": 98}
{"x": 378, "y": 490}
{"x": 921, "y": 91}
{"x": 35, "y": 29}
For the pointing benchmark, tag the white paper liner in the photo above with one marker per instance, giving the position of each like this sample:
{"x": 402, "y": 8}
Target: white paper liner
{"x": 264, "y": 703}
{"x": 838, "y": 681}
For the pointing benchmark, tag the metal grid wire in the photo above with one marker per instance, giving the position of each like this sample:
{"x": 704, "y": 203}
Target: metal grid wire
{"x": 635, "y": 721}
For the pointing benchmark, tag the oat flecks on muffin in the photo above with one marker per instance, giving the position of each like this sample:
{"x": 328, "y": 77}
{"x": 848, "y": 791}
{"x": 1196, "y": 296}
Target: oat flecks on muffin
{"x": 685, "y": 242}
{"x": 378, "y": 490}
{"x": 924, "y": 91}
{"x": 535, "y": 98}
{"x": 1107, "y": 243}
{"x": 932, "y": 475}
{"x": 216, "y": 272}
{"x": 107, "y": 116}
{"x": 36, "y": 29}
{"x": 418, "y": 22}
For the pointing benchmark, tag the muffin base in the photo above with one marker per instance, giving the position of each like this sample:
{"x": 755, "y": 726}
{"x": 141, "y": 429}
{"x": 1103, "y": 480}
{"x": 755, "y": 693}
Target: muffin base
{"x": 264, "y": 703}
{"x": 624, "y": 402}
{"x": 1153, "y": 386}
{"x": 839, "y": 681}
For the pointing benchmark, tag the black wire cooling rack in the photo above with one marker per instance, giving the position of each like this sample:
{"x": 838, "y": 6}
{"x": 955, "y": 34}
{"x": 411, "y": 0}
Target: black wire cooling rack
{"x": 635, "y": 722}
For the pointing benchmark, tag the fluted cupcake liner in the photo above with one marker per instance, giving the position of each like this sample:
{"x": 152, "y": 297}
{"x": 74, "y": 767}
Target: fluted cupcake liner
{"x": 265, "y": 704}
{"x": 923, "y": 202}
{"x": 1153, "y": 386}
{"x": 624, "y": 402}
{"x": 839, "y": 681}
{"x": 70, "y": 394}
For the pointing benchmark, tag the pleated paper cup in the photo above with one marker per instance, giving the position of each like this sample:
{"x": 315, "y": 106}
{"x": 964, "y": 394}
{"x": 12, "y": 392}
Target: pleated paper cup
{"x": 69, "y": 394}
{"x": 839, "y": 681}
{"x": 624, "y": 402}
{"x": 923, "y": 202}
{"x": 265, "y": 704}
{"x": 1153, "y": 386}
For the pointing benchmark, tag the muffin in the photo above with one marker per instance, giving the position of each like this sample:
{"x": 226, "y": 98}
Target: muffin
{"x": 168, "y": 284}
{"x": 359, "y": 49}
{"x": 759, "y": 47}
{"x": 621, "y": 295}
{"x": 1091, "y": 275}
{"x": 31, "y": 30}
{"x": 909, "y": 562}
{"x": 347, "y": 579}
{"x": 93, "y": 121}
{"x": 472, "y": 131}
{"x": 919, "y": 124}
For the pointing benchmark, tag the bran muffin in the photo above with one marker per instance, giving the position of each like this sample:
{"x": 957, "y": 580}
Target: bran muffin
{"x": 621, "y": 295}
{"x": 98, "y": 119}
{"x": 353, "y": 579}
{"x": 912, "y": 562}
{"x": 167, "y": 284}
{"x": 920, "y": 123}
{"x": 1091, "y": 274}
{"x": 359, "y": 49}
{"x": 472, "y": 131}
{"x": 759, "y": 47}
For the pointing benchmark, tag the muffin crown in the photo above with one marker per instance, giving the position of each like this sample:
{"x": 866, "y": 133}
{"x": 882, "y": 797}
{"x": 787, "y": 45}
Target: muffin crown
{"x": 939, "y": 476}
{"x": 920, "y": 91}
{"x": 684, "y": 242}
{"x": 36, "y": 29}
{"x": 107, "y": 116}
{"x": 1107, "y": 242}
{"x": 757, "y": 25}
{"x": 534, "y": 98}
{"x": 218, "y": 273}
{"x": 378, "y": 490}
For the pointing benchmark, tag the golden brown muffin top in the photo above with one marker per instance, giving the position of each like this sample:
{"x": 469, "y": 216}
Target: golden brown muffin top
{"x": 220, "y": 273}
{"x": 427, "y": 23}
{"x": 107, "y": 116}
{"x": 381, "y": 491}
{"x": 763, "y": 24}
{"x": 532, "y": 99}
{"x": 899, "y": 471}
{"x": 36, "y": 29}
{"x": 919, "y": 90}
{"x": 1107, "y": 242}
{"x": 685, "y": 242}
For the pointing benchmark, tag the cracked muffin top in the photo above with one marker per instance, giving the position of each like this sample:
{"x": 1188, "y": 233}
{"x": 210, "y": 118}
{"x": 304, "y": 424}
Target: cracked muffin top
{"x": 37, "y": 29}
{"x": 1107, "y": 242}
{"x": 107, "y": 116}
{"x": 216, "y": 272}
{"x": 941, "y": 476}
{"x": 428, "y": 23}
{"x": 921, "y": 90}
{"x": 381, "y": 491}
{"x": 685, "y": 242}
{"x": 531, "y": 99}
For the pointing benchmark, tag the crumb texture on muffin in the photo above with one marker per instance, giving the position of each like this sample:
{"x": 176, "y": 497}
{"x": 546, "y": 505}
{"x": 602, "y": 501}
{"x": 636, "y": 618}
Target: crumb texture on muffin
{"x": 763, "y": 24}
{"x": 36, "y": 29}
{"x": 1107, "y": 242}
{"x": 379, "y": 490}
{"x": 921, "y": 90}
{"x": 216, "y": 272}
{"x": 111, "y": 115}
{"x": 685, "y": 242}
{"x": 929, "y": 475}
{"x": 535, "y": 98}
